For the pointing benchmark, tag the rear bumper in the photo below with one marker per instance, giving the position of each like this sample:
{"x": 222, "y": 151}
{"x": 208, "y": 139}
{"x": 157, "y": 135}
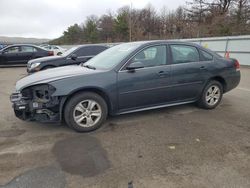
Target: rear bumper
{"x": 232, "y": 81}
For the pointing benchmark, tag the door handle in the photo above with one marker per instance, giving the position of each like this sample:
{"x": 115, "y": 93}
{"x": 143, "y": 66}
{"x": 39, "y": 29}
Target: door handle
{"x": 162, "y": 73}
{"x": 202, "y": 68}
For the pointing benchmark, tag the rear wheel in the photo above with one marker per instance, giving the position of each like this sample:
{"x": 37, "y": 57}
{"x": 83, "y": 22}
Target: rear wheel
{"x": 85, "y": 112}
{"x": 211, "y": 95}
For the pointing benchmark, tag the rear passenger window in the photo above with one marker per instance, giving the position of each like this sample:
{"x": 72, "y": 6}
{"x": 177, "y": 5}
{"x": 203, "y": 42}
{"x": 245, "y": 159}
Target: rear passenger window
{"x": 28, "y": 49}
{"x": 184, "y": 54}
{"x": 99, "y": 49}
{"x": 81, "y": 52}
{"x": 15, "y": 49}
{"x": 206, "y": 56}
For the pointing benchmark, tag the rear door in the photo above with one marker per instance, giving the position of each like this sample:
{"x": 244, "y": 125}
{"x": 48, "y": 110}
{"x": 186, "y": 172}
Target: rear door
{"x": 188, "y": 72}
{"x": 27, "y": 53}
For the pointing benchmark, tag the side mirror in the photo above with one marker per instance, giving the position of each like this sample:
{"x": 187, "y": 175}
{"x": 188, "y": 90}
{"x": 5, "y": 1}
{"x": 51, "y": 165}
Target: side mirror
{"x": 135, "y": 65}
{"x": 73, "y": 56}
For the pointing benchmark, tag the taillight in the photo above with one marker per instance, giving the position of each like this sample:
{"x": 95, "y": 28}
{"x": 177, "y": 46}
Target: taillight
{"x": 51, "y": 53}
{"x": 237, "y": 65}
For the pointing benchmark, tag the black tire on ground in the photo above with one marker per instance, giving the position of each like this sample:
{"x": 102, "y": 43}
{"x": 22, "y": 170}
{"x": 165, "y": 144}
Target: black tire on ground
{"x": 80, "y": 98}
{"x": 47, "y": 67}
{"x": 59, "y": 53}
{"x": 207, "y": 104}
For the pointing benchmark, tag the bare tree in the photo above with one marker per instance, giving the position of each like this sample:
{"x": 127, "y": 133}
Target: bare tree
{"x": 241, "y": 17}
{"x": 199, "y": 18}
{"x": 106, "y": 27}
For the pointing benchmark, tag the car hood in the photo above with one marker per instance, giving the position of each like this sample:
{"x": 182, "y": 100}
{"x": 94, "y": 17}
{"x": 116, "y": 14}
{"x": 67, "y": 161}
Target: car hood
{"x": 54, "y": 74}
{"x": 45, "y": 59}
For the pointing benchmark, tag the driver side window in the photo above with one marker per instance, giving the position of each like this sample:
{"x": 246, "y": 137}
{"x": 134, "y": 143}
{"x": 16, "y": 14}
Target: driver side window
{"x": 152, "y": 56}
{"x": 10, "y": 50}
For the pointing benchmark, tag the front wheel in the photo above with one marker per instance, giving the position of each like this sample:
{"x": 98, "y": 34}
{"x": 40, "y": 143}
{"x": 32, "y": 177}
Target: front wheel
{"x": 85, "y": 112}
{"x": 211, "y": 95}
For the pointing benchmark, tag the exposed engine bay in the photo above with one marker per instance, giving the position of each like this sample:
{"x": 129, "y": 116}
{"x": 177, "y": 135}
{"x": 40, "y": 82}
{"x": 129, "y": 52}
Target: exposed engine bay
{"x": 37, "y": 103}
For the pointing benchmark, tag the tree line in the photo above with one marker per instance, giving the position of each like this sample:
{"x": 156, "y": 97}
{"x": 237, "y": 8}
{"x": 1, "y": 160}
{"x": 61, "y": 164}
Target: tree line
{"x": 196, "y": 18}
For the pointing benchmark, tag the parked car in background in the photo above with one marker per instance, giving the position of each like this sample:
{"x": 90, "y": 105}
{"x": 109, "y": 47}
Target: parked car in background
{"x": 75, "y": 55}
{"x": 20, "y": 54}
{"x": 126, "y": 78}
{"x": 2, "y": 46}
{"x": 43, "y": 45}
{"x": 56, "y": 49}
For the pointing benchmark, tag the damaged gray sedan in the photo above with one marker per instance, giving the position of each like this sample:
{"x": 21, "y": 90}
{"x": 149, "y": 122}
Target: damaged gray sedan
{"x": 129, "y": 77}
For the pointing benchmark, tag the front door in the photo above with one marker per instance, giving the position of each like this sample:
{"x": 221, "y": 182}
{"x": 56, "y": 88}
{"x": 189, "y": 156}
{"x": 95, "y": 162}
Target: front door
{"x": 147, "y": 86}
{"x": 11, "y": 56}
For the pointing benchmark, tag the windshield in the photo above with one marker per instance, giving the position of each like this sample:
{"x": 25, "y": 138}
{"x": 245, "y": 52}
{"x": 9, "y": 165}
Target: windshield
{"x": 66, "y": 53}
{"x": 112, "y": 56}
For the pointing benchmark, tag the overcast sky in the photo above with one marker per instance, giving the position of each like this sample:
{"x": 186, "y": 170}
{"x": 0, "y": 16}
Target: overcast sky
{"x": 49, "y": 18}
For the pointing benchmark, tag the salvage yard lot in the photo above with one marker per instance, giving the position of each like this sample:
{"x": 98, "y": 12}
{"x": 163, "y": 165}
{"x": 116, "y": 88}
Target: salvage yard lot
{"x": 180, "y": 146}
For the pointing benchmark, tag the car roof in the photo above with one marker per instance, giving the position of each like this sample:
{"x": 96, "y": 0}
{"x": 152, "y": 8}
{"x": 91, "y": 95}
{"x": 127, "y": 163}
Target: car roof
{"x": 32, "y": 45}
{"x": 88, "y": 45}
{"x": 158, "y": 42}
{"x": 155, "y": 42}
{"x": 164, "y": 41}
{"x": 22, "y": 45}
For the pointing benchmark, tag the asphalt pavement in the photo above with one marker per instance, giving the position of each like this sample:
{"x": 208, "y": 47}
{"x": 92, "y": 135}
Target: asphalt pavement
{"x": 182, "y": 146}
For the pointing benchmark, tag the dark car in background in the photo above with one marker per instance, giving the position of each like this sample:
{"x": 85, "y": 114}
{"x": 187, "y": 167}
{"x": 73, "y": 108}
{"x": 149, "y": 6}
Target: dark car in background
{"x": 19, "y": 55}
{"x": 126, "y": 78}
{"x": 75, "y": 55}
{"x": 2, "y": 46}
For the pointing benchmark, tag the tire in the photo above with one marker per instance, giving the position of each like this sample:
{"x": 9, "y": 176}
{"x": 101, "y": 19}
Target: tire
{"x": 211, "y": 95}
{"x": 88, "y": 108}
{"x": 59, "y": 53}
{"x": 47, "y": 67}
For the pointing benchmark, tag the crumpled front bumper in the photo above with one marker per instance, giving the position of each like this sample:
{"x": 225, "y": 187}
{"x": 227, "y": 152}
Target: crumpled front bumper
{"x": 26, "y": 109}
{"x": 20, "y": 106}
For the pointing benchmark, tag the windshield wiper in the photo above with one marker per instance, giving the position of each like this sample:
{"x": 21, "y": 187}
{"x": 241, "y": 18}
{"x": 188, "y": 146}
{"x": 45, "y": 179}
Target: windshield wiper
{"x": 89, "y": 67}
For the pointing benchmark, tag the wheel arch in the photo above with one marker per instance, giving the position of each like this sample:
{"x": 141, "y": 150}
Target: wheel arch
{"x": 98, "y": 91}
{"x": 221, "y": 80}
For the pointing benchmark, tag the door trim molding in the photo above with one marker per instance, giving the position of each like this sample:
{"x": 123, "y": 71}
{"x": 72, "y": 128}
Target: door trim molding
{"x": 154, "y": 107}
{"x": 150, "y": 89}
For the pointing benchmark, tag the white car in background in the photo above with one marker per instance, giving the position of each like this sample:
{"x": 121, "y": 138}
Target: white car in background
{"x": 56, "y": 49}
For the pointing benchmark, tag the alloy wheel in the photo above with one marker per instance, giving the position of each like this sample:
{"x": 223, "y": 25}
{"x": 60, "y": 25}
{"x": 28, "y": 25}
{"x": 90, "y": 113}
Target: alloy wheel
{"x": 87, "y": 113}
{"x": 213, "y": 95}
